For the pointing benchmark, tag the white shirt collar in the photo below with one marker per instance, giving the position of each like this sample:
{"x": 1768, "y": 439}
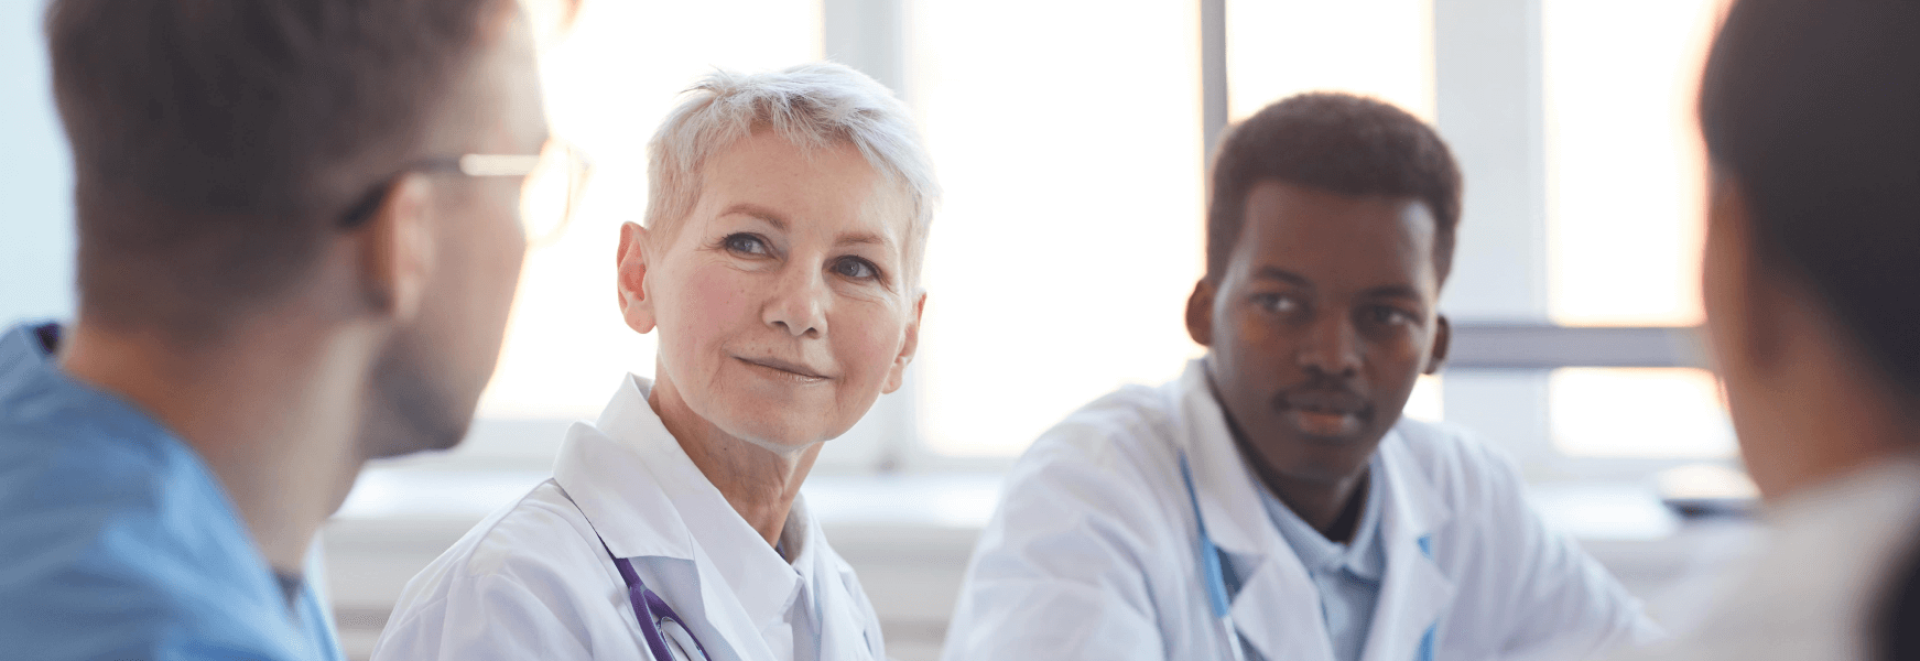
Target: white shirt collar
{"x": 646, "y": 498}
{"x": 1363, "y": 557}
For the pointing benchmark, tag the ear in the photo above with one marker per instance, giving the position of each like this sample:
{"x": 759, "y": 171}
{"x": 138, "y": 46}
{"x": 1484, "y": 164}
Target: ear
{"x": 397, "y": 248}
{"x": 897, "y": 376}
{"x": 1200, "y": 312}
{"x": 1442, "y": 342}
{"x": 635, "y": 251}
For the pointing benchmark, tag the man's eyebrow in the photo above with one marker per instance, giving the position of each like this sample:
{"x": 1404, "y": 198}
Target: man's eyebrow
{"x": 1283, "y": 275}
{"x": 771, "y": 216}
{"x": 1395, "y": 291}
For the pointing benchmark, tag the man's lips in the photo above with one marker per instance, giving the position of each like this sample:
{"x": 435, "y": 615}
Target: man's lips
{"x": 789, "y": 367}
{"x": 1331, "y": 414}
{"x": 1325, "y": 402}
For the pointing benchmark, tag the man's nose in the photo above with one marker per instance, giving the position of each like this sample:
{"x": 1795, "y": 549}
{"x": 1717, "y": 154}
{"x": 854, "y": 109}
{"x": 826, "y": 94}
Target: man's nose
{"x": 799, "y": 302}
{"x": 1331, "y": 346}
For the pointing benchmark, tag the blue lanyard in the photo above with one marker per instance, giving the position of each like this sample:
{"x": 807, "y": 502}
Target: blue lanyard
{"x": 1212, "y": 575}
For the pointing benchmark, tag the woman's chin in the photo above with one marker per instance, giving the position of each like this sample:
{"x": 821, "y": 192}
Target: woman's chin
{"x": 781, "y": 434}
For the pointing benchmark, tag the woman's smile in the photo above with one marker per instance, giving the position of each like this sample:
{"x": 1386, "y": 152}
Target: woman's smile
{"x": 782, "y": 370}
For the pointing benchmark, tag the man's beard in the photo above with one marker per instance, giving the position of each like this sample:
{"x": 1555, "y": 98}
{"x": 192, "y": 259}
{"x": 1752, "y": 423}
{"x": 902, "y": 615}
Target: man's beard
{"x": 407, "y": 410}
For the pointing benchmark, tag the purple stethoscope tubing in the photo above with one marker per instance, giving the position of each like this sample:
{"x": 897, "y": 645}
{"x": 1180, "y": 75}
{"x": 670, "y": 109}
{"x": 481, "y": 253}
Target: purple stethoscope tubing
{"x": 650, "y": 609}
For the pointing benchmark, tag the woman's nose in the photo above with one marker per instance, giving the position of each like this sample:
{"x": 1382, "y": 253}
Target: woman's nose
{"x": 799, "y": 302}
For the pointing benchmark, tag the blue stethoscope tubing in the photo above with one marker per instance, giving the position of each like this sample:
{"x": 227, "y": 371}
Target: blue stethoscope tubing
{"x": 1212, "y": 575}
{"x": 650, "y": 610}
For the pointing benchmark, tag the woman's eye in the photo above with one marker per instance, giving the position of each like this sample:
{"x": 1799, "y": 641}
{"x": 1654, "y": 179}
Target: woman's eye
{"x": 858, "y": 269}
{"x": 745, "y": 244}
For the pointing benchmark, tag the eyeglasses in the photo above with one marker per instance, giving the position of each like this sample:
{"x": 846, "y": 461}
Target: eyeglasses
{"x": 550, "y": 190}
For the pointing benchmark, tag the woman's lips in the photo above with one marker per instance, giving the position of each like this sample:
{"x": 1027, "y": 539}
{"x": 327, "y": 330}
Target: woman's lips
{"x": 788, "y": 369}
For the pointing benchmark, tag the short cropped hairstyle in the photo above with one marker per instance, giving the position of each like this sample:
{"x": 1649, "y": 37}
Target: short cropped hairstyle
{"x": 1813, "y": 107}
{"x": 1339, "y": 143}
{"x": 811, "y": 105}
{"x": 217, "y": 142}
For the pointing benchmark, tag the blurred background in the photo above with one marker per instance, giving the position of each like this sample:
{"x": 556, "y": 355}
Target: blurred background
{"x": 1071, "y": 137}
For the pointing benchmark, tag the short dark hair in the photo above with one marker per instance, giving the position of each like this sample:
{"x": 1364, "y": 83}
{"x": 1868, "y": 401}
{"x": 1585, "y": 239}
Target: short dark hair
{"x": 216, "y": 142}
{"x": 1339, "y": 143}
{"x": 1813, "y": 107}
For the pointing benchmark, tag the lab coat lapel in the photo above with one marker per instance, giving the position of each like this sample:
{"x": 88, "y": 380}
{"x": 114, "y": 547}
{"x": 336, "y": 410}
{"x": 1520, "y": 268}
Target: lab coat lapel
{"x": 1277, "y": 608}
{"x": 1414, "y": 593}
{"x": 632, "y": 481}
{"x": 844, "y": 631}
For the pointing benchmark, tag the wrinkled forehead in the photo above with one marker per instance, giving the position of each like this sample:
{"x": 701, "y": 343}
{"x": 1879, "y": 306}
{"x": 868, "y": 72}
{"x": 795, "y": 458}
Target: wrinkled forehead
{"x": 821, "y": 188}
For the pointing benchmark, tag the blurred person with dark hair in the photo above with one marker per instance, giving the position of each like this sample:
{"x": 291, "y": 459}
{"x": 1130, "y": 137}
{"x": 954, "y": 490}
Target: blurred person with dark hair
{"x": 1273, "y": 503}
{"x": 1811, "y": 114}
{"x": 298, "y": 245}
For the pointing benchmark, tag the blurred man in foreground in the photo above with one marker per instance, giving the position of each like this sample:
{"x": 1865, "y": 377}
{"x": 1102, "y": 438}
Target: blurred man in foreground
{"x": 1811, "y": 114}
{"x": 298, "y": 247}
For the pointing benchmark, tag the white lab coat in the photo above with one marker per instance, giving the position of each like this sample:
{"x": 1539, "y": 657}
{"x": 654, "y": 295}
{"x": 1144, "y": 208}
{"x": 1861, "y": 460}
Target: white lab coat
{"x": 1815, "y": 585}
{"x": 1093, "y": 552}
{"x": 532, "y": 581}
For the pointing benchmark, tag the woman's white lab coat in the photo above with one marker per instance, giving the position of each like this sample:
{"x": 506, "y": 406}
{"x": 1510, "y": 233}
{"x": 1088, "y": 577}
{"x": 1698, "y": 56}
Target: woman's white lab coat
{"x": 533, "y": 581}
{"x": 1093, "y": 552}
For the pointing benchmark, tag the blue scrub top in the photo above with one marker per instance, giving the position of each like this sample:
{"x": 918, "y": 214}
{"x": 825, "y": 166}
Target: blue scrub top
{"x": 117, "y": 542}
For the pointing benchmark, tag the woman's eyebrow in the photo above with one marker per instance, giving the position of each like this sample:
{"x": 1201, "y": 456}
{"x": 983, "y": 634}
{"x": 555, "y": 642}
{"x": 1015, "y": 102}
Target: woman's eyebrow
{"x": 772, "y": 217}
{"x": 860, "y": 238}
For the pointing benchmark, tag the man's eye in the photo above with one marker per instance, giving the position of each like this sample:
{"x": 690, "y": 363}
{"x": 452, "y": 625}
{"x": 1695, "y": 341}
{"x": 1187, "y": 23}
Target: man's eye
{"x": 1278, "y": 303}
{"x": 1388, "y": 316}
{"x": 858, "y": 269}
{"x": 745, "y": 244}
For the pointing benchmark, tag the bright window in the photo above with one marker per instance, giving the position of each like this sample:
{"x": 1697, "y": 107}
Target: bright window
{"x": 1067, "y": 135}
{"x": 609, "y": 83}
{"x": 1625, "y": 219}
{"x": 1379, "y": 48}
{"x": 1667, "y": 413}
{"x": 1625, "y": 167}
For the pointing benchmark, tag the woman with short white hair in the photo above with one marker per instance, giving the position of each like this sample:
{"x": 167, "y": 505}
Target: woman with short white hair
{"x": 779, "y": 264}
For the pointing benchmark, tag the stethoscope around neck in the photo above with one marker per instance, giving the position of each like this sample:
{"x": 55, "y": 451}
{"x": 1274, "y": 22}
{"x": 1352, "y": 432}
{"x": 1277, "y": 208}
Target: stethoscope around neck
{"x": 665, "y": 633}
{"x": 1212, "y": 574}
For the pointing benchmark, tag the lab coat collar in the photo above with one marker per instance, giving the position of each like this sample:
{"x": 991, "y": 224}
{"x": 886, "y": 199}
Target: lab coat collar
{"x": 646, "y": 499}
{"x": 1277, "y": 599}
{"x": 1415, "y": 592}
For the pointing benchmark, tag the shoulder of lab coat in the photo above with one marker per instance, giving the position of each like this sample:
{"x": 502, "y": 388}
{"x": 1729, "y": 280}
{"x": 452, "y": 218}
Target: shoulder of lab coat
{"x": 1077, "y": 557}
{"x": 1092, "y": 553}
{"x": 1815, "y": 584}
{"x": 1554, "y": 601}
{"x": 487, "y": 597}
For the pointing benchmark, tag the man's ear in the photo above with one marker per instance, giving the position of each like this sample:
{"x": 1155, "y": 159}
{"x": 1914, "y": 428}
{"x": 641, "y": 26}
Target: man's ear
{"x": 1442, "y": 342}
{"x": 1200, "y": 312}
{"x": 397, "y": 248}
{"x": 635, "y": 306}
{"x": 897, "y": 375}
